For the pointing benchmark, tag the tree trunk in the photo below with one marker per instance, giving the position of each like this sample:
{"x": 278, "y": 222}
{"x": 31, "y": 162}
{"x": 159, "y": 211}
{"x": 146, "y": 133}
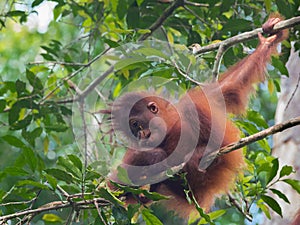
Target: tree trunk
{"x": 287, "y": 143}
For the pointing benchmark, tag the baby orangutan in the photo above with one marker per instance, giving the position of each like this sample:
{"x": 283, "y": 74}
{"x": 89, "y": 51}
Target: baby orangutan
{"x": 165, "y": 135}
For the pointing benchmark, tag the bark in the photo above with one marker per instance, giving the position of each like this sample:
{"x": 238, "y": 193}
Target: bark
{"x": 287, "y": 143}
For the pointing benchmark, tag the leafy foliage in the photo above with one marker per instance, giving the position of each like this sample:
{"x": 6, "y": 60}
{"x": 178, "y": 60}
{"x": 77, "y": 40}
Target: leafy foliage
{"x": 42, "y": 168}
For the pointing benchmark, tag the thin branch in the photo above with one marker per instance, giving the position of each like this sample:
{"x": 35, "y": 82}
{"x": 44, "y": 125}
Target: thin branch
{"x": 248, "y": 35}
{"x": 218, "y": 60}
{"x": 162, "y": 18}
{"x": 195, "y": 14}
{"x": 186, "y": 75}
{"x": 259, "y": 136}
{"x": 225, "y": 45}
{"x": 54, "y": 206}
{"x": 99, "y": 212}
{"x": 74, "y": 74}
{"x": 234, "y": 202}
{"x": 57, "y": 63}
{"x": 196, "y": 4}
{"x": 94, "y": 83}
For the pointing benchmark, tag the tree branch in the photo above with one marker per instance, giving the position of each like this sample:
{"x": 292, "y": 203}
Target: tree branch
{"x": 259, "y": 136}
{"x": 82, "y": 204}
{"x": 248, "y": 35}
{"x": 162, "y": 18}
{"x": 54, "y": 206}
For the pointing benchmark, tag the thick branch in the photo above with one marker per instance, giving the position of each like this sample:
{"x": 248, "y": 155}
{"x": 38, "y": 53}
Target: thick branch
{"x": 259, "y": 136}
{"x": 248, "y": 35}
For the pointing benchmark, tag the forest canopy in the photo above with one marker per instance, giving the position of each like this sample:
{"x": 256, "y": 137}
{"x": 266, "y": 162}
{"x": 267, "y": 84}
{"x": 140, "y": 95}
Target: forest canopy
{"x": 62, "y": 65}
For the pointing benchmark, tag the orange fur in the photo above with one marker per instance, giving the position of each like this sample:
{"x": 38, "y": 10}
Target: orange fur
{"x": 235, "y": 85}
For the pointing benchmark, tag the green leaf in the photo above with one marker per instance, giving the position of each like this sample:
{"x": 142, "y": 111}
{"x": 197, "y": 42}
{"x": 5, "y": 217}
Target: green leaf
{"x": 122, "y": 9}
{"x": 235, "y": 26}
{"x": 276, "y": 62}
{"x": 59, "y": 127}
{"x": 286, "y": 170}
{"x": 30, "y": 158}
{"x": 280, "y": 195}
{"x": 15, "y": 13}
{"x": 295, "y": 184}
{"x": 264, "y": 208}
{"x": 216, "y": 214}
{"x": 34, "y": 81}
{"x": 36, "y": 3}
{"x": 268, "y": 4}
{"x": 123, "y": 175}
{"x": 213, "y": 215}
{"x": 257, "y": 118}
{"x": 112, "y": 44}
{"x": 106, "y": 194}
{"x": 51, "y": 51}
{"x": 47, "y": 57}
{"x": 91, "y": 175}
{"x": 274, "y": 170}
{"x": 272, "y": 204}
{"x": 31, "y": 183}
{"x": 149, "y": 218}
{"x": 138, "y": 191}
{"x": 76, "y": 161}
{"x": 132, "y": 210}
{"x": 12, "y": 140}
{"x": 51, "y": 180}
{"x": 139, "y": 2}
{"x": 51, "y": 218}
{"x": 120, "y": 215}
{"x": 20, "y": 87}
{"x": 69, "y": 167}
{"x": 60, "y": 175}
{"x": 22, "y": 123}
{"x": 65, "y": 111}
{"x": 129, "y": 61}
{"x": 133, "y": 17}
{"x": 151, "y": 52}
{"x": 2, "y": 23}
{"x": 2, "y": 105}
{"x": 14, "y": 112}
{"x": 16, "y": 171}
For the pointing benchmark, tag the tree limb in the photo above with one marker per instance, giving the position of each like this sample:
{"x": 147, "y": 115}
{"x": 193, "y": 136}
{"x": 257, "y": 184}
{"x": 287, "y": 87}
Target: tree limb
{"x": 259, "y": 136}
{"x": 248, "y": 35}
{"x": 82, "y": 204}
{"x": 55, "y": 205}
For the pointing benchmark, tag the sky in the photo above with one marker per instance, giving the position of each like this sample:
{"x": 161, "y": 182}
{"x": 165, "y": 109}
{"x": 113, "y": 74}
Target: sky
{"x": 42, "y": 18}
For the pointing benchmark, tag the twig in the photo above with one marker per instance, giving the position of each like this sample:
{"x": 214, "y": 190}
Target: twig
{"x": 94, "y": 83}
{"x": 185, "y": 75}
{"x": 218, "y": 60}
{"x": 196, "y": 4}
{"x": 234, "y": 202}
{"x": 74, "y": 74}
{"x": 195, "y": 15}
{"x": 162, "y": 18}
{"x": 99, "y": 212}
{"x": 260, "y": 135}
{"x": 54, "y": 206}
{"x": 63, "y": 192}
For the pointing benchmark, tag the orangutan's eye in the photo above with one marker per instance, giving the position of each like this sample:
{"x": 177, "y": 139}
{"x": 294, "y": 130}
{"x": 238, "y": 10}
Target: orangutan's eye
{"x": 152, "y": 107}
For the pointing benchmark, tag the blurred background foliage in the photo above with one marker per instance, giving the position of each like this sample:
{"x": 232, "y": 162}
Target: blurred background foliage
{"x": 49, "y": 48}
